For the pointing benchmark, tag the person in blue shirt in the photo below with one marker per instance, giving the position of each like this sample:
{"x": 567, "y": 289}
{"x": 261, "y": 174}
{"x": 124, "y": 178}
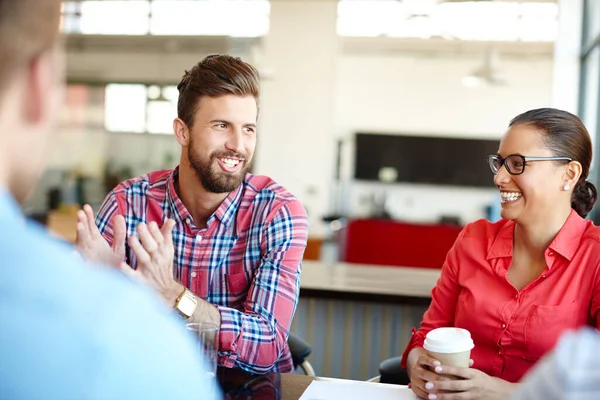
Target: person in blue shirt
{"x": 68, "y": 330}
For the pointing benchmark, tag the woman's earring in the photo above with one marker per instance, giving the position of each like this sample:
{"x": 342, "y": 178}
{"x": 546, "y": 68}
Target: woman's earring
{"x": 566, "y": 187}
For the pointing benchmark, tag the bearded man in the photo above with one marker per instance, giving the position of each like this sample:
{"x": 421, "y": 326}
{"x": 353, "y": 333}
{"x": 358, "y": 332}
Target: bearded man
{"x": 219, "y": 244}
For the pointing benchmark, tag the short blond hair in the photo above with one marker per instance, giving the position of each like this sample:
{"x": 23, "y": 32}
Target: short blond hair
{"x": 27, "y": 28}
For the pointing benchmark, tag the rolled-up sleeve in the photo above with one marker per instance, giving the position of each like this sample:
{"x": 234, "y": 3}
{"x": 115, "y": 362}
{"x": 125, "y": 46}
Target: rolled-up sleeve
{"x": 104, "y": 219}
{"x": 443, "y": 300}
{"x": 255, "y": 338}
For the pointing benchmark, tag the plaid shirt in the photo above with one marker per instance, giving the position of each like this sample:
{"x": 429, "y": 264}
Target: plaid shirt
{"x": 246, "y": 261}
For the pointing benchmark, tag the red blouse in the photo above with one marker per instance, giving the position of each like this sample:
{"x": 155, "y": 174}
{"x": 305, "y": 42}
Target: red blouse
{"x": 513, "y": 329}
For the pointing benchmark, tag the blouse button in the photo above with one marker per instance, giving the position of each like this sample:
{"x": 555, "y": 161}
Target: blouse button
{"x": 193, "y": 274}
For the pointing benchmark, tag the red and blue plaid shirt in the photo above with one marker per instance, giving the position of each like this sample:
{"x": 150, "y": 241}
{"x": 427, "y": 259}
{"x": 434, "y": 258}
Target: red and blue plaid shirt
{"x": 246, "y": 261}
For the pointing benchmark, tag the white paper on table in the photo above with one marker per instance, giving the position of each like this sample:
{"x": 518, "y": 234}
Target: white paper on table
{"x": 336, "y": 389}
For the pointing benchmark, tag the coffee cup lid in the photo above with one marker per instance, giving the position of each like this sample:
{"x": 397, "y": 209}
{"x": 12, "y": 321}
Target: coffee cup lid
{"x": 448, "y": 340}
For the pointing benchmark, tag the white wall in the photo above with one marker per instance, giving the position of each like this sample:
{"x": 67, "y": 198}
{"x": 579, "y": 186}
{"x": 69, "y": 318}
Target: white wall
{"x": 425, "y": 96}
{"x": 314, "y": 98}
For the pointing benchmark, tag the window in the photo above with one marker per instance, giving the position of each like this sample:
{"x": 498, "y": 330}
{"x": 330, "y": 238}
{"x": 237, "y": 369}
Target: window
{"x": 140, "y": 108}
{"x": 481, "y": 21}
{"x": 83, "y": 108}
{"x": 589, "y": 90}
{"x": 236, "y": 18}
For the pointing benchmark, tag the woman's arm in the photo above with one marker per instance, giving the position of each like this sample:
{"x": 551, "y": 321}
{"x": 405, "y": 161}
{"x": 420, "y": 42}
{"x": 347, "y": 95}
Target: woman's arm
{"x": 443, "y": 299}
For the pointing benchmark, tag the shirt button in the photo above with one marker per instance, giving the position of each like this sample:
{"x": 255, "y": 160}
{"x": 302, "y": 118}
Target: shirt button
{"x": 198, "y": 238}
{"x": 503, "y": 326}
{"x": 543, "y": 276}
{"x": 516, "y": 296}
{"x": 193, "y": 274}
{"x": 551, "y": 253}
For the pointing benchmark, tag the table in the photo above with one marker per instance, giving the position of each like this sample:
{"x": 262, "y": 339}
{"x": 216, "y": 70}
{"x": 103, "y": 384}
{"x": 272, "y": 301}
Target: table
{"x": 237, "y": 385}
{"x": 375, "y": 283}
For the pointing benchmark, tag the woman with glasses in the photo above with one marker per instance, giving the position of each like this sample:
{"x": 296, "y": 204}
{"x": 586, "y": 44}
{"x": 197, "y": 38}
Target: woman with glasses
{"x": 521, "y": 282}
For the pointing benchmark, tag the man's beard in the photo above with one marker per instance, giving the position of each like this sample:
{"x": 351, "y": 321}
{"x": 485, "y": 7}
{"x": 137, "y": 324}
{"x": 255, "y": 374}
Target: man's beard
{"x": 217, "y": 181}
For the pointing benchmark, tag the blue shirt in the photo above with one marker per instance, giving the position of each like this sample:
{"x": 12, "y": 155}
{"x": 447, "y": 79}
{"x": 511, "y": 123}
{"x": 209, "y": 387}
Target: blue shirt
{"x": 74, "y": 331}
{"x": 570, "y": 372}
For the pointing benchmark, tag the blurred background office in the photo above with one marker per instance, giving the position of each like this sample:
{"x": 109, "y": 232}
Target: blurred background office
{"x": 376, "y": 114}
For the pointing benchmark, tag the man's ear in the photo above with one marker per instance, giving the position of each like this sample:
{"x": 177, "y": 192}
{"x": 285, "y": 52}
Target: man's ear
{"x": 181, "y": 131}
{"x": 38, "y": 90}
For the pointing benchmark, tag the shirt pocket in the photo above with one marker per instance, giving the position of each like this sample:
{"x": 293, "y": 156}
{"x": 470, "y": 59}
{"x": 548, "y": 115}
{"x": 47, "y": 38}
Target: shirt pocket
{"x": 545, "y": 325}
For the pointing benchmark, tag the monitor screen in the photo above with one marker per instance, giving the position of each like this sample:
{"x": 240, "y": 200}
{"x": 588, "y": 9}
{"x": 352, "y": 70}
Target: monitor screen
{"x": 424, "y": 159}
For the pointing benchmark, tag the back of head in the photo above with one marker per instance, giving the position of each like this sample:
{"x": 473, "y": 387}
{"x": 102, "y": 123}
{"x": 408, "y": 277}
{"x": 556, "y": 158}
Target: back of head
{"x": 566, "y": 136}
{"x": 215, "y": 76}
{"x": 30, "y": 89}
{"x": 28, "y": 28}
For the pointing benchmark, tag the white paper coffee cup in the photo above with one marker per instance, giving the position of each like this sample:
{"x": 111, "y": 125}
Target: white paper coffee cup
{"x": 450, "y": 346}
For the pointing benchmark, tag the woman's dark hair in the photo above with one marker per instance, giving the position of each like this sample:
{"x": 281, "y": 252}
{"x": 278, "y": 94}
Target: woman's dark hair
{"x": 566, "y": 136}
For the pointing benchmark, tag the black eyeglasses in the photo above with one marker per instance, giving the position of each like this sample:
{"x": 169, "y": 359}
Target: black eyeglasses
{"x": 515, "y": 163}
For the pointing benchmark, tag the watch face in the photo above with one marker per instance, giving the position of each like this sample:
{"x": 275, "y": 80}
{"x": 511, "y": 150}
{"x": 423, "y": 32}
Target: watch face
{"x": 187, "y": 305}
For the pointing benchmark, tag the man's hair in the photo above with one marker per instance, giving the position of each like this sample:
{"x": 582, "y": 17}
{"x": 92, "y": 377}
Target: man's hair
{"x": 215, "y": 76}
{"x": 28, "y": 28}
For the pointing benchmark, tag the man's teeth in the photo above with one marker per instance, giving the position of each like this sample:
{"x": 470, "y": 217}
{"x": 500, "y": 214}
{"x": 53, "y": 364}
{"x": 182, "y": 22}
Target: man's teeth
{"x": 510, "y": 196}
{"x": 230, "y": 162}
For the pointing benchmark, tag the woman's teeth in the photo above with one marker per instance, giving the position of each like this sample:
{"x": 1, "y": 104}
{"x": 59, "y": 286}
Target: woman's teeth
{"x": 510, "y": 196}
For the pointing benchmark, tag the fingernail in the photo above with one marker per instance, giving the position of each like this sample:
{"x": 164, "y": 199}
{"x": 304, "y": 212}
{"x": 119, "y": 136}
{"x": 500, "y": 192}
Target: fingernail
{"x": 438, "y": 369}
{"x": 429, "y": 385}
{"x": 437, "y": 363}
{"x": 432, "y": 396}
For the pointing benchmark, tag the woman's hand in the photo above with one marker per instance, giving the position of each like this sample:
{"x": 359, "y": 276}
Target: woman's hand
{"x": 472, "y": 384}
{"x": 422, "y": 372}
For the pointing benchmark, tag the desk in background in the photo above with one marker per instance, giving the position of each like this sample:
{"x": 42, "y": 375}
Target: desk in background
{"x": 355, "y": 316}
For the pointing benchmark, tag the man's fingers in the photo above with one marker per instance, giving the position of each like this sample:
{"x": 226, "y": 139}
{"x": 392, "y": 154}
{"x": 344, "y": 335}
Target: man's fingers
{"x": 126, "y": 268}
{"x": 146, "y": 238}
{"x": 119, "y": 235}
{"x": 156, "y": 233}
{"x": 91, "y": 221}
{"x": 82, "y": 238}
{"x": 167, "y": 230}
{"x": 140, "y": 252}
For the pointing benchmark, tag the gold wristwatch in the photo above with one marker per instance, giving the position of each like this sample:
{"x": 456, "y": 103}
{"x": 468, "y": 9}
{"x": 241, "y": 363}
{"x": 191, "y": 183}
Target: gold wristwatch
{"x": 186, "y": 303}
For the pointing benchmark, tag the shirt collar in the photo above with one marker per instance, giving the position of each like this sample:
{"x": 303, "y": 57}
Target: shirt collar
{"x": 565, "y": 243}
{"x": 225, "y": 213}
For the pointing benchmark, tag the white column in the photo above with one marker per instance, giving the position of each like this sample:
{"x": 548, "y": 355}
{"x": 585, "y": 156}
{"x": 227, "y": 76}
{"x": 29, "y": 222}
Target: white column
{"x": 567, "y": 48}
{"x": 296, "y": 128}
